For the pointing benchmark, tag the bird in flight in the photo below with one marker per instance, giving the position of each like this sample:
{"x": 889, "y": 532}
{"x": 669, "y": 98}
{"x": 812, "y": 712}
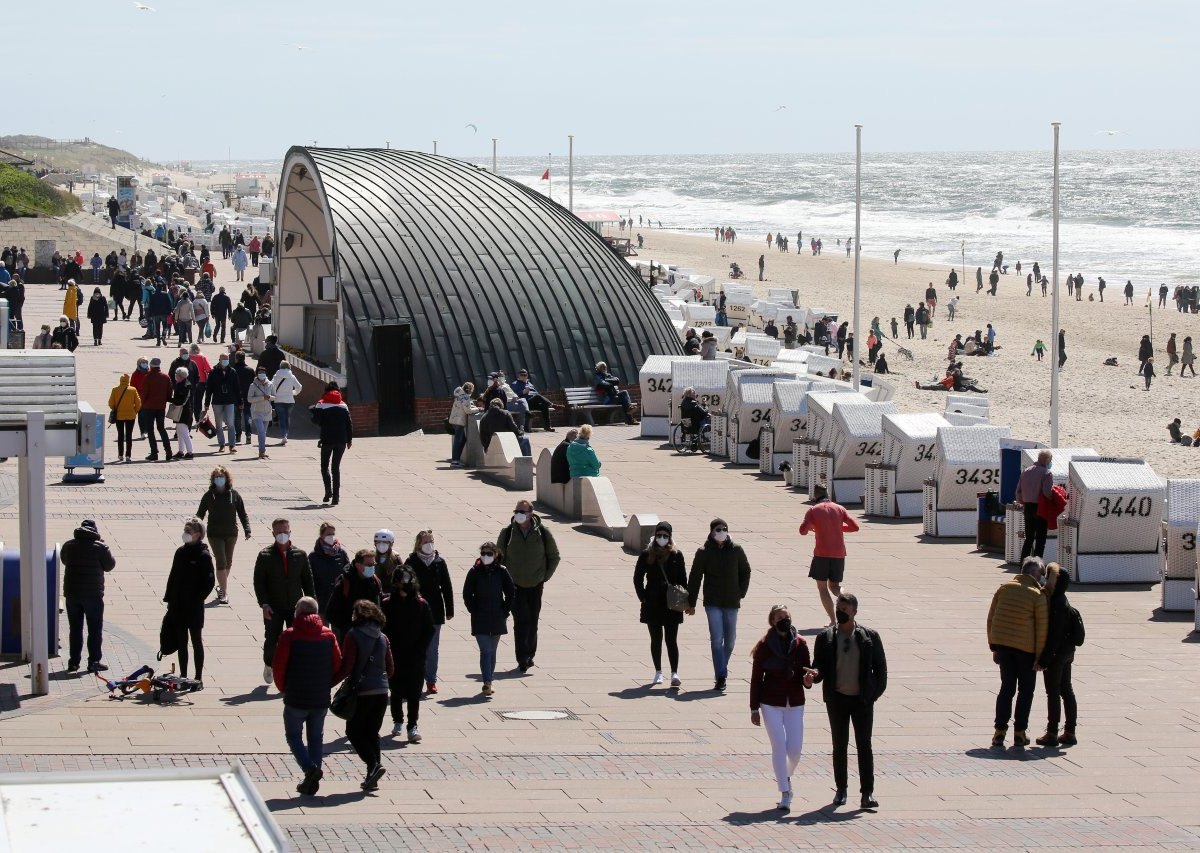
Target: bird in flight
{"x": 784, "y": 107}
{"x": 142, "y": 7}
{"x": 473, "y": 127}
{"x": 1109, "y": 132}
{"x": 299, "y": 46}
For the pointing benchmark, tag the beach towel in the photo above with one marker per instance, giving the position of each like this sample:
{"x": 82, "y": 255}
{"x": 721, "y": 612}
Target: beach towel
{"x": 1050, "y": 508}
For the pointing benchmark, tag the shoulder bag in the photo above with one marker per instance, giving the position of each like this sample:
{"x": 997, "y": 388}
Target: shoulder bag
{"x": 345, "y": 700}
{"x": 677, "y": 596}
{"x": 112, "y": 413}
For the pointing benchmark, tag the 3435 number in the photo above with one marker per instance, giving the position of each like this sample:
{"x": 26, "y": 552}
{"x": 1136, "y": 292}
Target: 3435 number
{"x": 977, "y": 476}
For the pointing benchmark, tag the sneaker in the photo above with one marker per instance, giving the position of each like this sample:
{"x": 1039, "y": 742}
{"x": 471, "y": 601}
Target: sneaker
{"x": 233, "y": 448}
{"x": 283, "y": 442}
{"x": 188, "y": 456}
{"x": 720, "y": 685}
{"x": 431, "y": 688}
{"x": 222, "y": 599}
{"x": 785, "y": 801}
{"x": 268, "y": 675}
{"x": 487, "y": 688}
{"x": 998, "y": 737}
{"x": 73, "y": 666}
{"x": 658, "y": 679}
{"x": 1067, "y": 738}
{"x": 675, "y": 681}
{"x": 414, "y": 735}
{"x": 374, "y": 774}
{"x": 1020, "y": 738}
{"x": 397, "y": 728}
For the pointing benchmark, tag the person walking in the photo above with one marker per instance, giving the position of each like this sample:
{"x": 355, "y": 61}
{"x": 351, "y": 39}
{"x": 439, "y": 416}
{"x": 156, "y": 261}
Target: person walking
{"x": 659, "y": 567}
{"x": 327, "y": 560}
{"x": 367, "y": 663}
{"x": 762, "y": 265}
{"x": 1128, "y": 292}
{"x": 910, "y": 316}
{"x": 181, "y": 413}
{"x": 157, "y": 388}
{"x": 359, "y": 582}
{"x": 200, "y": 386}
{"x": 97, "y": 313}
{"x": 1172, "y": 353}
{"x": 224, "y": 508}
{"x": 1036, "y": 482}
{"x": 1062, "y": 348}
{"x": 219, "y": 309}
{"x": 461, "y": 409}
{"x": 222, "y": 394}
{"x": 246, "y": 376}
{"x": 778, "y": 679}
{"x": 1145, "y": 351}
{"x": 85, "y": 559}
{"x": 259, "y": 398}
{"x": 71, "y": 301}
{"x": 281, "y": 578}
{"x": 409, "y": 630}
{"x": 191, "y": 580}
{"x": 1016, "y": 629}
{"x": 433, "y": 579}
{"x": 488, "y": 594}
{"x": 719, "y": 567}
{"x": 240, "y": 261}
{"x": 851, "y": 665}
{"x": 337, "y": 436}
{"x": 1188, "y": 359}
{"x": 531, "y": 557}
{"x": 387, "y": 560}
{"x": 1148, "y": 371}
{"x": 828, "y": 521}
{"x": 1064, "y": 633}
{"x": 286, "y": 387}
{"x": 305, "y": 663}
{"x": 124, "y": 403}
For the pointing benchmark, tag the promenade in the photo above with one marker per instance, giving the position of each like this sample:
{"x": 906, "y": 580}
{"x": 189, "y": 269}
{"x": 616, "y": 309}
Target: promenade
{"x": 629, "y": 767}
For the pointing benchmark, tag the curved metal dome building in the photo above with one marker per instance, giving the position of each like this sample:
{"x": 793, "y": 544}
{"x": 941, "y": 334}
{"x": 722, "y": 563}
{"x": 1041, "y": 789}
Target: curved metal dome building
{"x": 403, "y": 274}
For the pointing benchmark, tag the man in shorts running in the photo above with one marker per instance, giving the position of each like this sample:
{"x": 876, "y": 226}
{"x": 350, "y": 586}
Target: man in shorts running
{"x": 829, "y": 521}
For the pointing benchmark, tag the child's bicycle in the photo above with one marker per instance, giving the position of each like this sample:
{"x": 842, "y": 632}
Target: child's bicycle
{"x": 145, "y": 682}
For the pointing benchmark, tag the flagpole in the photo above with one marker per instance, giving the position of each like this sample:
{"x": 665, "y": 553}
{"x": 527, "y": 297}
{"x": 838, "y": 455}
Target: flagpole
{"x": 571, "y": 172}
{"x": 493, "y": 155}
{"x": 858, "y": 340}
{"x": 1054, "y": 317}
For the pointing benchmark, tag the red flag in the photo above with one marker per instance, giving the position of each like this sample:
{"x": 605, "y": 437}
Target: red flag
{"x": 546, "y": 175}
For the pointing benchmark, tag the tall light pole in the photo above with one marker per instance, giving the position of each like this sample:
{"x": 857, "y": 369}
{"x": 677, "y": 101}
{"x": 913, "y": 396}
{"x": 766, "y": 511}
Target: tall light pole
{"x": 571, "y": 172}
{"x": 435, "y": 147}
{"x": 493, "y": 155}
{"x": 858, "y": 341}
{"x": 1054, "y": 370}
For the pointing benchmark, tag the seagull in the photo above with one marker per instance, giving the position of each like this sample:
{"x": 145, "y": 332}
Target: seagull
{"x": 784, "y": 107}
{"x": 473, "y": 127}
{"x": 1109, "y": 132}
{"x": 299, "y": 46}
{"x": 142, "y": 7}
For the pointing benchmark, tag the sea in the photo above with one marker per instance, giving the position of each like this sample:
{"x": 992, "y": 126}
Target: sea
{"x": 1125, "y": 215}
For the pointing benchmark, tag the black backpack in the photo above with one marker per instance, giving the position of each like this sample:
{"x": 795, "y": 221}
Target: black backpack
{"x": 1075, "y": 626}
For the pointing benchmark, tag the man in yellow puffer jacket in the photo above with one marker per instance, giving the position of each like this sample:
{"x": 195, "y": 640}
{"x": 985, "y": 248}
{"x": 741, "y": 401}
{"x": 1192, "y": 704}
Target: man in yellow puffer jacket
{"x": 1016, "y": 627}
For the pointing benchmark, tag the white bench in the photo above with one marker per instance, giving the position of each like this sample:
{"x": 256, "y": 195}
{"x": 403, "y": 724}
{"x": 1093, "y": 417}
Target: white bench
{"x": 857, "y": 439}
{"x": 967, "y": 463}
{"x": 815, "y": 463}
{"x": 1113, "y": 532}
{"x": 894, "y": 484}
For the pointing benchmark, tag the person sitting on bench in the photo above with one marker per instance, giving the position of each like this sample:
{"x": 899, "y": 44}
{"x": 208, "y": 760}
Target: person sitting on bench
{"x": 608, "y": 388}
{"x": 525, "y": 391}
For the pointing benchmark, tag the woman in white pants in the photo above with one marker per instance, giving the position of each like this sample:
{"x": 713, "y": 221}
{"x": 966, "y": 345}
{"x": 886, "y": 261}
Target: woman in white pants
{"x": 181, "y": 395}
{"x": 781, "y": 675}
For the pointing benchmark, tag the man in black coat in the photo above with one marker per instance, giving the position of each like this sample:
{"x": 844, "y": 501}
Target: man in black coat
{"x": 221, "y": 307}
{"x": 850, "y": 663}
{"x": 282, "y": 577}
{"x": 560, "y": 469}
{"x": 85, "y": 560}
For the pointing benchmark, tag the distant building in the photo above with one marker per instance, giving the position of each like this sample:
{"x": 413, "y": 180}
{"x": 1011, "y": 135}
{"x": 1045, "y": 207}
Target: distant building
{"x": 11, "y": 158}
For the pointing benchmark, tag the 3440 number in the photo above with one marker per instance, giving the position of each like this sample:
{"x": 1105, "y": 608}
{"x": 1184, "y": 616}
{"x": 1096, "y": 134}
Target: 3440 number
{"x": 1125, "y": 506}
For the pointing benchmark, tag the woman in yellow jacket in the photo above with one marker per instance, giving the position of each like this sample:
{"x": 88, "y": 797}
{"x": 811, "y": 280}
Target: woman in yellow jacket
{"x": 71, "y": 302}
{"x": 125, "y": 403}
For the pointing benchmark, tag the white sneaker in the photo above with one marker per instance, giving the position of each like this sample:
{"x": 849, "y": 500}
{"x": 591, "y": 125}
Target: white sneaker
{"x": 268, "y": 675}
{"x": 785, "y": 801}
{"x": 397, "y": 729}
{"x": 414, "y": 736}
{"x": 675, "y": 680}
{"x": 658, "y": 679}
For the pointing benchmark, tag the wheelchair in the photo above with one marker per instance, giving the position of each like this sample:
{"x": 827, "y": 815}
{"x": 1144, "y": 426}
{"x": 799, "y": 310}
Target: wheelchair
{"x": 685, "y": 438}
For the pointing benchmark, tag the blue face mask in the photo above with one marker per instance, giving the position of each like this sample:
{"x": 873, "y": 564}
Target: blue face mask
{"x": 369, "y": 572}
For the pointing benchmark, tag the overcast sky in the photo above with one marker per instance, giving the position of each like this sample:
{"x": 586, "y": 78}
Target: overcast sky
{"x": 194, "y": 79}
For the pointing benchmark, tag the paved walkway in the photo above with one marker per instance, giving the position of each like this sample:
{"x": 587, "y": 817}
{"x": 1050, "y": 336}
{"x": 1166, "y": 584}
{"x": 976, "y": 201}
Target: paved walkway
{"x": 630, "y": 767}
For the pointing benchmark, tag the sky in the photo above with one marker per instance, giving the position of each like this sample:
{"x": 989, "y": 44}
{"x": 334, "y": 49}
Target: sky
{"x": 203, "y": 79}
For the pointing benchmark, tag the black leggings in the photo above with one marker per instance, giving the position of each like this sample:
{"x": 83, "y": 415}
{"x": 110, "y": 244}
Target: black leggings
{"x": 332, "y": 453}
{"x": 124, "y": 439}
{"x": 192, "y": 627}
{"x": 362, "y": 730}
{"x": 1057, "y": 679}
{"x": 671, "y": 630}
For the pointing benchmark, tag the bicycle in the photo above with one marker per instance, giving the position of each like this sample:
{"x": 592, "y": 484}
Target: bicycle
{"x": 686, "y": 440}
{"x": 144, "y": 681}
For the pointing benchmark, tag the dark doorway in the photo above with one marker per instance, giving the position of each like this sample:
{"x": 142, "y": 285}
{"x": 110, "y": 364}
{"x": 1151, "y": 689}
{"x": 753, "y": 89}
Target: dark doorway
{"x": 394, "y": 379}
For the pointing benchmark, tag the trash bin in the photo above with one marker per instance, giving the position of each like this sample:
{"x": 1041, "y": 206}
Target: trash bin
{"x": 10, "y": 601}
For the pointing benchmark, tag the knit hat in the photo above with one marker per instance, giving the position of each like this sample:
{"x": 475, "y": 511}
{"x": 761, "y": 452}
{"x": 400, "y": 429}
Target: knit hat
{"x": 715, "y": 523}
{"x": 663, "y": 526}
{"x": 89, "y": 524}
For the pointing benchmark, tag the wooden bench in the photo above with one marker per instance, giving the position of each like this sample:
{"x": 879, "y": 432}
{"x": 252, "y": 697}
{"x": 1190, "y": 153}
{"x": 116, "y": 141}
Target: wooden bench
{"x": 583, "y": 401}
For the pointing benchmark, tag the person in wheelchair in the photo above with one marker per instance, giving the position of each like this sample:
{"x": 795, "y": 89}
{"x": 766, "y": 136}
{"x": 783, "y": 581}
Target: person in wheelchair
{"x": 693, "y": 417}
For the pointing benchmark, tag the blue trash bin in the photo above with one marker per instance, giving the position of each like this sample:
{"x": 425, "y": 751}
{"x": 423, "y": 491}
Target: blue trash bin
{"x": 10, "y": 595}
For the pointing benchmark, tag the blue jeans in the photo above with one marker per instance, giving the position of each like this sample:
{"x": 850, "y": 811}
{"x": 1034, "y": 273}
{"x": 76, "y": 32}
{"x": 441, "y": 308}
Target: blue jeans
{"x": 300, "y": 724}
{"x": 458, "y": 443}
{"x": 488, "y": 643}
{"x": 523, "y": 443}
{"x": 225, "y": 416}
{"x": 284, "y": 411}
{"x": 244, "y": 426}
{"x": 260, "y": 427}
{"x": 722, "y": 634}
{"x": 431, "y": 656}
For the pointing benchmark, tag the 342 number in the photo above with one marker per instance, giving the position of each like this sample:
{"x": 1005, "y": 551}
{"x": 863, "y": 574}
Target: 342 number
{"x": 924, "y": 453}
{"x": 759, "y": 415}
{"x": 870, "y": 448}
{"x": 978, "y": 476}
{"x": 1128, "y": 507}
{"x": 657, "y": 386}
{"x": 798, "y": 424}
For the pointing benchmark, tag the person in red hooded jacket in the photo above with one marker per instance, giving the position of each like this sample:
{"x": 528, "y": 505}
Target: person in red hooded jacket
{"x": 337, "y": 434}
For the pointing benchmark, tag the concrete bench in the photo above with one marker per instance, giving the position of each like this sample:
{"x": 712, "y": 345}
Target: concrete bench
{"x": 592, "y": 501}
{"x": 502, "y": 461}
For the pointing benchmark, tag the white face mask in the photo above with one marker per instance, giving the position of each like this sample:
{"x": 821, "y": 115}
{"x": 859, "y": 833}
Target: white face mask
{"x": 520, "y": 517}
{"x": 282, "y": 538}
{"x": 187, "y": 538}
{"x": 662, "y": 540}
{"x": 330, "y": 539}
{"x": 487, "y": 561}
{"x": 720, "y": 536}
{"x": 427, "y": 548}
{"x": 382, "y": 547}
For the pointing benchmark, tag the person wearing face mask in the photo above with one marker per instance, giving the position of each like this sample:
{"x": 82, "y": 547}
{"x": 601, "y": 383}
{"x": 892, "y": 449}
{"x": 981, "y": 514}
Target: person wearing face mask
{"x": 531, "y": 556}
{"x": 245, "y": 377}
{"x": 433, "y": 578}
{"x": 581, "y": 456}
{"x": 222, "y": 395}
{"x": 184, "y": 315}
{"x": 461, "y": 409}
{"x": 1064, "y": 633}
{"x": 71, "y": 302}
{"x": 721, "y": 568}
{"x": 185, "y": 361}
{"x": 285, "y": 389}
{"x": 259, "y": 397}
{"x": 367, "y": 661}
{"x": 1017, "y": 623}
{"x": 45, "y": 340}
{"x": 203, "y": 369}
{"x": 281, "y": 577}
{"x": 64, "y": 336}
{"x": 124, "y": 403}
{"x": 188, "y": 585}
{"x": 137, "y": 381}
{"x": 328, "y": 560}
{"x": 386, "y": 558}
{"x": 488, "y": 594}
{"x": 181, "y": 405}
{"x": 849, "y": 662}
{"x": 778, "y": 680}
{"x": 97, "y": 312}
{"x": 156, "y": 394}
{"x": 337, "y": 436}
{"x": 409, "y": 630}
{"x": 659, "y": 566}
{"x": 360, "y": 582}
{"x": 224, "y": 508}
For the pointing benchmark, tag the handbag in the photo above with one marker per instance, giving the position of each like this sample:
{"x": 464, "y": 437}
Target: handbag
{"x": 112, "y": 413}
{"x": 677, "y": 596}
{"x": 206, "y": 428}
{"x": 345, "y": 700}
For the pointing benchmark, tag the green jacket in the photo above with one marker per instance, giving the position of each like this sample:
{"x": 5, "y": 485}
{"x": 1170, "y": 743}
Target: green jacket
{"x": 530, "y": 558}
{"x": 583, "y": 460}
{"x": 724, "y": 572}
{"x": 278, "y": 586}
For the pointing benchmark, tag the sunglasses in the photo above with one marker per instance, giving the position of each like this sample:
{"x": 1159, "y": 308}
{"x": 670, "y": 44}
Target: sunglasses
{"x": 486, "y": 554}
{"x": 720, "y": 530}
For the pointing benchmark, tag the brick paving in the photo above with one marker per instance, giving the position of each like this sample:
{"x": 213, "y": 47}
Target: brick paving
{"x": 638, "y": 766}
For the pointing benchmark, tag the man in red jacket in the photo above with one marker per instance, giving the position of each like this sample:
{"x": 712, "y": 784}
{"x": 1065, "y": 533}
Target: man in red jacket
{"x": 828, "y": 520}
{"x": 306, "y": 658}
{"x": 155, "y": 391}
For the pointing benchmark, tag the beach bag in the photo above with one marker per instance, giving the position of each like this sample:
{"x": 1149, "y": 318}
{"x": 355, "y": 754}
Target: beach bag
{"x": 175, "y": 412}
{"x": 168, "y": 642}
{"x": 677, "y": 596}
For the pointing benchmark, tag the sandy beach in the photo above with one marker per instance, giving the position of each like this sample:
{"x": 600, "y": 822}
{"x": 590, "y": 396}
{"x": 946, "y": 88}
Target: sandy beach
{"x": 1102, "y": 407}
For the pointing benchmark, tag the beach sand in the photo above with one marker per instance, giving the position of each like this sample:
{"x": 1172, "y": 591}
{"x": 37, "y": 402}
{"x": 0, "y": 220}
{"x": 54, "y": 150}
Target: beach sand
{"x": 1102, "y": 407}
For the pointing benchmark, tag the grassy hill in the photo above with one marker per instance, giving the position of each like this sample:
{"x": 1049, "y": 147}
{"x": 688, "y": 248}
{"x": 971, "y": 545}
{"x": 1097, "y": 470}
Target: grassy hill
{"x": 72, "y": 156}
{"x": 22, "y": 194}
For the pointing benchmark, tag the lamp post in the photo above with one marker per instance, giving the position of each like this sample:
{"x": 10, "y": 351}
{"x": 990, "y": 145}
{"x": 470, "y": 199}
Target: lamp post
{"x": 858, "y": 341}
{"x": 571, "y": 172}
{"x": 493, "y": 155}
{"x": 1054, "y": 319}
{"x": 435, "y": 147}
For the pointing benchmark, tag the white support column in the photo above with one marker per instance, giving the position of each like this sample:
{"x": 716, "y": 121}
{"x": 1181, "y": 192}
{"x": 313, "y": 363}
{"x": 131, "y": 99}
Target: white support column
{"x": 34, "y": 605}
